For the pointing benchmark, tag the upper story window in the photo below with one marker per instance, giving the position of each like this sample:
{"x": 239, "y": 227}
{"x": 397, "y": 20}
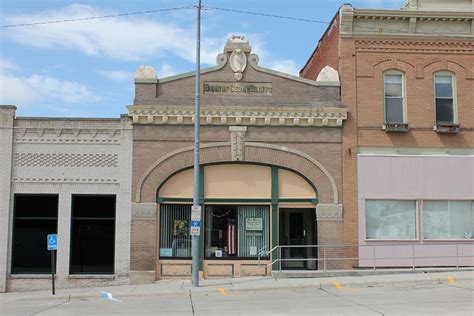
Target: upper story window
{"x": 394, "y": 97}
{"x": 445, "y": 101}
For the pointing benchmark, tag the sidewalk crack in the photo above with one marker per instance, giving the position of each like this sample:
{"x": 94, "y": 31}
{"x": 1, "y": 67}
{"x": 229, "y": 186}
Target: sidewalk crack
{"x": 51, "y": 307}
{"x": 351, "y": 301}
{"x": 191, "y": 301}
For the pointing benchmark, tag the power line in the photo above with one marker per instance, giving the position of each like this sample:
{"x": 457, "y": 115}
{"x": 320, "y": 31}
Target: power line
{"x": 266, "y": 15}
{"x": 97, "y": 17}
{"x": 375, "y": 29}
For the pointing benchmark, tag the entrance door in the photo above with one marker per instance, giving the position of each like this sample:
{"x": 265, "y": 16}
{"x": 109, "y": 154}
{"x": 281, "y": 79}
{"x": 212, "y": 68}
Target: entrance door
{"x": 298, "y": 228}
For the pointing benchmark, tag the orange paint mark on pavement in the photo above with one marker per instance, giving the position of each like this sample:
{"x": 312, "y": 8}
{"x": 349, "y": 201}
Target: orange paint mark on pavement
{"x": 222, "y": 291}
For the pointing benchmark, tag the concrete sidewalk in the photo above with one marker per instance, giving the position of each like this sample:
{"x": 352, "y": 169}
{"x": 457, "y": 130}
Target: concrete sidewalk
{"x": 176, "y": 287}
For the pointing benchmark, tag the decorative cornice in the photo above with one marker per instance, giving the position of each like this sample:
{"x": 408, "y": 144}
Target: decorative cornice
{"x": 406, "y": 23}
{"x": 65, "y": 180}
{"x": 456, "y": 46}
{"x": 329, "y": 116}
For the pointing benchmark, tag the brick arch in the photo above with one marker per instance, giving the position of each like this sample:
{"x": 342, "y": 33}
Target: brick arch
{"x": 393, "y": 64}
{"x": 440, "y": 65}
{"x": 280, "y": 156}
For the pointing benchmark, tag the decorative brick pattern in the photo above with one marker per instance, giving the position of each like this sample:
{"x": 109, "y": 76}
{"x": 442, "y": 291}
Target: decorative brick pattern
{"x": 67, "y": 157}
{"x": 65, "y": 160}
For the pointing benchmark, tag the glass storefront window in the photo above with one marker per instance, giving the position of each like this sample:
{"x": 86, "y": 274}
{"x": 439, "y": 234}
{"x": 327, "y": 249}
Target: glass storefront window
{"x": 236, "y": 231}
{"x": 230, "y": 231}
{"x": 447, "y": 219}
{"x": 390, "y": 219}
{"x": 175, "y": 241}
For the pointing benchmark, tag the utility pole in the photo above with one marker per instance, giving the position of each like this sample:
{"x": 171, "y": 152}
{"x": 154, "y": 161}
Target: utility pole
{"x": 196, "y": 209}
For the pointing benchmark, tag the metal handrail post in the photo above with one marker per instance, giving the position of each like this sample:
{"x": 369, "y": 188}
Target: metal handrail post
{"x": 324, "y": 258}
{"x": 373, "y": 261}
{"x": 457, "y": 256}
{"x": 279, "y": 259}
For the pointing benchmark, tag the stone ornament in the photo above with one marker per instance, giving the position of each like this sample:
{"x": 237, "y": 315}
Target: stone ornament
{"x": 328, "y": 74}
{"x": 145, "y": 72}
{"x": 237, "y": 142}
{"x": 238, "y": 62}
{"x": 413, "y": 4}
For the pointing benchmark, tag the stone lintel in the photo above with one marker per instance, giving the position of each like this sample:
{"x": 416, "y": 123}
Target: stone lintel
{"x": 144, "y": 210}
{"x": 329, "y": 212}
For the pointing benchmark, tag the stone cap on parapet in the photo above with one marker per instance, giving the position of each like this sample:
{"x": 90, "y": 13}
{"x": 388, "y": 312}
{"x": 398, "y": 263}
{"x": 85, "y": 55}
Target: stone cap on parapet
{"x": 7, "y": 106}
{"x": 238, "y": 54}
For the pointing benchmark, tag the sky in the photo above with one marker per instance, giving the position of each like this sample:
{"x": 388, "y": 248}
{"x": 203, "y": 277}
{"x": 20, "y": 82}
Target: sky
{"x": 86, "y": 68}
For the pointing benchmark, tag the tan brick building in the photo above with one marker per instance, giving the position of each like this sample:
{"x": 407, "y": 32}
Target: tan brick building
{"x": 270, "y": 157}
{"x": 407, "y": 79}
{"x": 70, "y": 177}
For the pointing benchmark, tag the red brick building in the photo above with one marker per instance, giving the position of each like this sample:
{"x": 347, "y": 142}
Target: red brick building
{"x": 407, "y": 78}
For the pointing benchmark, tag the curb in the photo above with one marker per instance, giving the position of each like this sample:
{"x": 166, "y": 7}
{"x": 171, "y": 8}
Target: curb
{"x": 278, "y": 285}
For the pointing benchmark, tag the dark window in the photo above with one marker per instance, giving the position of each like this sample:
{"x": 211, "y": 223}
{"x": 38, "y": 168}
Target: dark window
{"x": 35, "y": 217}
{"x": 92, "y": 234}
{"x": 393, "y": 98}
{"x": 444, "y": 99}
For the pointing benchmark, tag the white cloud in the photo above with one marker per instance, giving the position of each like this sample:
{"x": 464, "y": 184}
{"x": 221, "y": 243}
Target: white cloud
{"x": 117, "y": 75}
{"x": 36, "y": 89}
{"x": 125, "y": 38}
{"x": 166, "y": 70}
{"x": 285, "y": 65}
{"x": 7, "y": 65}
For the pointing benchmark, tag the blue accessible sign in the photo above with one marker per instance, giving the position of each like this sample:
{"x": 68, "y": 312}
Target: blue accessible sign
{"x": 53, "y": 242}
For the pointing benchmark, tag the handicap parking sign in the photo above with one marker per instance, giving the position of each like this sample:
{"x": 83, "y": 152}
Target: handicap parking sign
{"x": 52, "y": 241}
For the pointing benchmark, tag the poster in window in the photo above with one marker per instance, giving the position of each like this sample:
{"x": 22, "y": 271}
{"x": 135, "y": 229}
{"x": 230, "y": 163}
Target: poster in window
{"x": 180, "y": 227}
{"x": 254, "y": 223}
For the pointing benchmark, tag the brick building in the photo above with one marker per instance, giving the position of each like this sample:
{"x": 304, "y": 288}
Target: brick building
{"x": 271, "y": 174}
{"x": 407, "y": 79}
{"x": 71, "y": 177}
{"x": 271, "y": 167}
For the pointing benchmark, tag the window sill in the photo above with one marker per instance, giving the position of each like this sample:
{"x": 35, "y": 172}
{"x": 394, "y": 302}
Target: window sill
{"x": 449, "y": 240}
{"x": 30, "y": 276}
{"x": 395, "y": 127}
{"x": 448, "y": 128}
{"x": 391, "y": 240}
{"x": 92, "y": 276}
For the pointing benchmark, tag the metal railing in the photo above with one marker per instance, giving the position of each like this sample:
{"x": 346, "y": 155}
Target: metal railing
{"x": 276, "y": 252}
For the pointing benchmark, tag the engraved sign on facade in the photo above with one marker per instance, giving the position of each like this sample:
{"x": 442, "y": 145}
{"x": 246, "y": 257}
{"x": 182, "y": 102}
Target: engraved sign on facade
{"x": 238, "y": 88}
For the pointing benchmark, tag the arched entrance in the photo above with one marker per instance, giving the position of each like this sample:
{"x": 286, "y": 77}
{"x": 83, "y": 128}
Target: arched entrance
{"x": 247, "y": 208}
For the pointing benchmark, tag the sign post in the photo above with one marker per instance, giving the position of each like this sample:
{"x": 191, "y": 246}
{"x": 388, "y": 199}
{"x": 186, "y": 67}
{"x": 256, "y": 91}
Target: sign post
{"x": 196, "y": 225}
{"x": 52, "y": 242}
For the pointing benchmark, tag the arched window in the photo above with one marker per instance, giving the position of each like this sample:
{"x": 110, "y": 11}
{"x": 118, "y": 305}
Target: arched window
{"x": 394, "y": 97}
{"x": 445, "y": 100}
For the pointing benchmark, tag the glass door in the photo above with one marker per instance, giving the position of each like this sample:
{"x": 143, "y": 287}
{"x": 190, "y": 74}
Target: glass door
{"x": 298, "y": 228}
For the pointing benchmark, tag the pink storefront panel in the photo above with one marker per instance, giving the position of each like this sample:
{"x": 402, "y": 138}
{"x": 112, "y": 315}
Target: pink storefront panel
{"x": 415, "y": 178}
